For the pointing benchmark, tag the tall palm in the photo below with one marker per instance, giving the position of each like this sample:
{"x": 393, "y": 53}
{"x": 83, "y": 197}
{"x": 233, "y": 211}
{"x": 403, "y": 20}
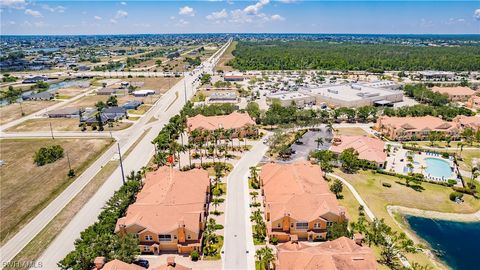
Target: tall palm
{"x": 215, "y": 203}
{"x": 253, "y": 172}
{"x": 319, "y": 141}
{"x": 330, "y": 127}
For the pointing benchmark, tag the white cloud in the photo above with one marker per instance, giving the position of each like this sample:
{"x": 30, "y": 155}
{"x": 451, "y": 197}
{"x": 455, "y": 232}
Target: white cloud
{"x": 144, "y": 25}
{"x": 123, "y": 3}
{"x": 254, "y": 9}
{"x": 455, "y": 21}
{"x": 187, "y": 11}
{"x": 59, "y": 9}
{"x": 12, "y": 22}
{"x": 172, "y": 17}
{"x": 33, "y": 13}
{"x": 113, "y": 21}
{"x": 288, "y": 1}
{"x": 98, "y": 18}
{"x": 222, "y": 14}
{"x": 277, "y": 17}
{"x": 182, "y": 22}
{"x": 476, "y": 14}
{"x": 17, "y": 4}
{"x": 121, "y": 14}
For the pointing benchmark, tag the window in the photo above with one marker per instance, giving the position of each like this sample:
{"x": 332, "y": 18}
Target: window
{"x": 146, "y": 249}
{"x": 148, "y": 237}
{"x": 189, "y": 237}
{"x": 278, "y": 225}
{"x": 164, "y": 237}
{"x": 302, "y": 225}
{"x": 291, "y": 225}
{"x": 174, "y": 237}
{"x": 316, "y": 226}
{"x": 329, "y": 223}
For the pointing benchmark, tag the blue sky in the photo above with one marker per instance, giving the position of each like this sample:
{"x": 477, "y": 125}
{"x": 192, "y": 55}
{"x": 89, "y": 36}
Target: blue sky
{"x": 131, "y": 17}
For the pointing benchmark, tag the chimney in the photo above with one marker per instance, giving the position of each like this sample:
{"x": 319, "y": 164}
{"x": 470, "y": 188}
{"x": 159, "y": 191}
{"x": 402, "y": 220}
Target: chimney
{"x": 171, "y": 261}
{"x": 99, "y": 262}
{"x": 358, "y": 238}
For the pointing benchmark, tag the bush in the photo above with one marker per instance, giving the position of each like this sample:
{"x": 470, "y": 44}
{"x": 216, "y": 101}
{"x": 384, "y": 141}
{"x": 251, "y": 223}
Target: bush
{"x": 451, "y": 182}
{"x": 194, "y": 255}
{"x": 48, "y": 154}
{"x": 274, "y": 240}
{"x": 454, "y": 195}
{"x": 218, "y": 226}
{"x": 387, "y": 185}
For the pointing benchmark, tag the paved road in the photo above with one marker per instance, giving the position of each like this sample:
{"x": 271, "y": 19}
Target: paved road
{"x": 169, "y": 105}
{"x": 238, "y": 228}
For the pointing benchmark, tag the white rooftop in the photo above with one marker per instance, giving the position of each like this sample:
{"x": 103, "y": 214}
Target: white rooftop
{"x": 287, "y": 95}
{"x": 347, "y": 92}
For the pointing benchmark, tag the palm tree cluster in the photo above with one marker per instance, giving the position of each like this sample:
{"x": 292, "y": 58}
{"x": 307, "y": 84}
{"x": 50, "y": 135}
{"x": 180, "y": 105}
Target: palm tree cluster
{"x": 210, "y": 239}
{"x": 264, "y": 258}
{"x": 260, "y": 228}
{"x": 254, "y": 179}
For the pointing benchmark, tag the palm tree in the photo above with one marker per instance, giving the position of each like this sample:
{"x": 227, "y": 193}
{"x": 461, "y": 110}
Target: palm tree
{"x": 253, "y": 172}
{"x": 330, "y": 127}
{"x": 265, "y": 257}
{"x": 422, "y": 168}
{"x": 254, "y": 195}
{"x": 319, "y": 141}
{"x": 215, "y": 202}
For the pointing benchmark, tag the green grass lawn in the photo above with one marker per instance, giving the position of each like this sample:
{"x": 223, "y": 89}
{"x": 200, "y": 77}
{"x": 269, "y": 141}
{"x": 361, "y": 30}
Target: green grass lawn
{"x": 140, "y": 110}
{"x": 219, "y": 245}
{"x": 433, "y": 197}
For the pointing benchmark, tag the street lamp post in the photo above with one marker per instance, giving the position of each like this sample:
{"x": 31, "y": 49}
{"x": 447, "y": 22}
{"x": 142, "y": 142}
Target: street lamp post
{"x": 121, "y": 163}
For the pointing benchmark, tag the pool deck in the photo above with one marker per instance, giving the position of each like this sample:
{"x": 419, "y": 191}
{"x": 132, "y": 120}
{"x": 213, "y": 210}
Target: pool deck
{"x": 395, "y": 163}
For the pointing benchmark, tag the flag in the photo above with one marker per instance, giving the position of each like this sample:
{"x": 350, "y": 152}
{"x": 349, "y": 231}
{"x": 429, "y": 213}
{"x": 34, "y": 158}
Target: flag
{"x": 170, "y": 159}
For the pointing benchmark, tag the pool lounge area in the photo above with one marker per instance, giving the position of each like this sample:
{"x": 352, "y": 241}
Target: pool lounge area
{"x": 433, "y": 166}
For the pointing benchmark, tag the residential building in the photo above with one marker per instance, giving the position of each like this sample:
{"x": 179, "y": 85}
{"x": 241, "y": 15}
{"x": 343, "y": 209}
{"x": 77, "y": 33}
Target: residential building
{"x": 339, "y": 254}
{"x": 457, "y": 93}
{"x": 35, "y": 79}
{"x": 69, "y": 112}
{"x": 241, "y": 123}
{"x": 132, "y": 104}
{"x": 172, "y": 265}
{"x": 170, "y": 212}
{"x": 115, "y": 113}
{"x": 463, "y": 122}
{"x": 368, "y": 148}
{"x": 353, "y": 95}
{"x": 473, "y": 102}
{"x": 288, "y": 98}
{"x": 45, "y": 95}
{"x": 414, "y": 128}
{"x": 99, "y": 264}
{"x": 107, "y": 91}
{"x": 298, "y": 202}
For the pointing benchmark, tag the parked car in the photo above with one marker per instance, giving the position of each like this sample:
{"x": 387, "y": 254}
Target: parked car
{"x": 142, "y": 262}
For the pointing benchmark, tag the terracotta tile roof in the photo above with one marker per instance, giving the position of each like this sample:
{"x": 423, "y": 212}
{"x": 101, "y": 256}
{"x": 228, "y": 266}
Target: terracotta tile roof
{"x": 172, "y": 265}
{"x": 234, "y": 120}
{"x": 164, "y": 204}
{"x": 339, "y": 254}
{"x": 455, "y": 91}
{"x": 368, "y": 148}
{"x": 297, "y": 189}
{"x": 416, "y": 123}
{"x": 119, "y": 265}
{"x": 468, "y": 121}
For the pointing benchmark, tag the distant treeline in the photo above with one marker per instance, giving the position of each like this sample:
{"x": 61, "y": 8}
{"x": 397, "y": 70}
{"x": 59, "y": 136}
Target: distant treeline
{"x": 296, "y": 55}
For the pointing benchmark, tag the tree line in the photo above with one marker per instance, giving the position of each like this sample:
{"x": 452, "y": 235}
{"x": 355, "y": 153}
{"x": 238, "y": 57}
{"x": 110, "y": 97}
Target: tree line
{"x": 296, "y": 55}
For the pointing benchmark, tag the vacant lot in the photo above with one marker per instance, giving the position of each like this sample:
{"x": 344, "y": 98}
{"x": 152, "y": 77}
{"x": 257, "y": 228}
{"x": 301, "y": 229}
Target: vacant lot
{"x": 59, "y": 124}
{"x": 160, "y": 84}
{"x": 14, "y": 111}
{"x": 227, "y": 56}
{"x": 351, "y": 132}
{"x": 26, "y": 188}
{"x": 89, "y": 101}
{"x": 70, "y": 92}
{"x": 433, "y": 197}
{"x": 140, "y": 110}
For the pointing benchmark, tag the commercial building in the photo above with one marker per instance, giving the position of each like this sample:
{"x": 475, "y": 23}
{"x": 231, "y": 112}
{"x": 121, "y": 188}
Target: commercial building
{"x": 368, "y": 148}
{"x": 233, "y": 77}
{"x": 222, "y": 98}
{"x": 241, "y": 123}
{"x": 353, "y": 95}
{"x": 457, "y": 93}
{"x": 436, "y": 75}
{"x": 298, "y": 202}
{"x": 170, "y": 212}
{"x": 143, "y": 93}
{"x": 340, "y": 254}
{"x": 385, "y": 84}
{"x": 414, "y": 128}
{"x": 288, "y": 98}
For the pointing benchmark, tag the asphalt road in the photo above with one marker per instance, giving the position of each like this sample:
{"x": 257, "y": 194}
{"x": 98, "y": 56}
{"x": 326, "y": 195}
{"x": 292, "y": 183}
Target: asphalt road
{"x": 238, "y": 228}
{"x": 170, "y": 104}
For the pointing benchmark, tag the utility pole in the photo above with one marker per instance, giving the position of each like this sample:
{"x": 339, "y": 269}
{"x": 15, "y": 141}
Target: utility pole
{"x": 51, "y": 131}
{"x": 121, "y": 163}
{"x": 185, "y": 83}
{"x": 68, "y": 159}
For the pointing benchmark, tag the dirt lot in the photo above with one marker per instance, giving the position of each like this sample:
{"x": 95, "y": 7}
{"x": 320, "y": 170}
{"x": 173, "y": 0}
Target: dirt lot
{"x": 89, "y": 101}
{"x": 159, "y": 84}
{"x": 351, "y": 132}
{"x": 14, "y": 111}
{"x": 70, "y": 92}
{"x": 26, "y": 188}
{"x": 58, "y": 124}
{"x": 227, "y": 56}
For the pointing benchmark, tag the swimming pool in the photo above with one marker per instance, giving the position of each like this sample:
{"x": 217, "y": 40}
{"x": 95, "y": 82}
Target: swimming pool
{"x": 438, "y": 168}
